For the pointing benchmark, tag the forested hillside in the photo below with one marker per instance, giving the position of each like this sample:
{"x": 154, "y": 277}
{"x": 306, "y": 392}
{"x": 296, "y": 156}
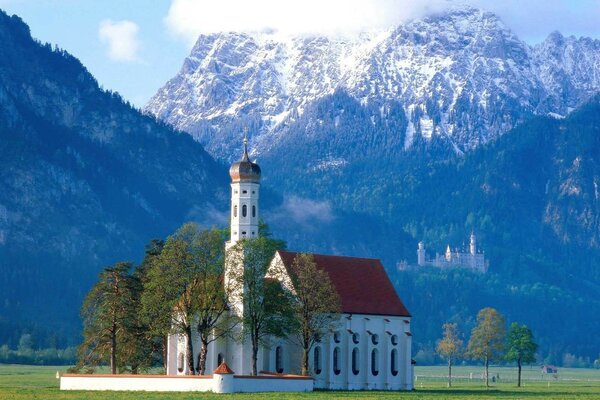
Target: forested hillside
{"x": 531, "y": 196}
{"x": 85, "y": 180}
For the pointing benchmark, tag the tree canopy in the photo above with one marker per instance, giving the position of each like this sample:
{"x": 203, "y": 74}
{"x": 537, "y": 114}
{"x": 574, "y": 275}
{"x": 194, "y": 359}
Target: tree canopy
{"x": 487, "y": 338}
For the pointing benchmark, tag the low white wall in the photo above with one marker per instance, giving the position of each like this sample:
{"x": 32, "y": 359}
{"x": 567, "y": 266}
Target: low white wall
{"x": 250, "y": 384}
{"x": 154, "y": 383}
{"x": 205, "y": 383}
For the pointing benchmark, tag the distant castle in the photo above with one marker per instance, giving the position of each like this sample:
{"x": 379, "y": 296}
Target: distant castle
{"x": 472, "y": 259}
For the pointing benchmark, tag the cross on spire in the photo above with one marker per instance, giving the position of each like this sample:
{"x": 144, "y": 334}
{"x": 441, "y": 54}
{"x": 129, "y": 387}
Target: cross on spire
{"x": 245, "y": 155}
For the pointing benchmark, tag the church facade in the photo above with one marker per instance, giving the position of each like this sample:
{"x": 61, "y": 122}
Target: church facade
{"x": 369, "y": 347}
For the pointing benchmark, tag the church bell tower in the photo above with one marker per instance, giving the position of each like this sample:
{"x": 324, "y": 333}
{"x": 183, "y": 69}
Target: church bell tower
{"x": 245, "y": 184}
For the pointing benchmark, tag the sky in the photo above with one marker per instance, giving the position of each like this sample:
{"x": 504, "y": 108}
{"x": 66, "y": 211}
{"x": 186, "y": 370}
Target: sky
{"x": 135, "y": 46}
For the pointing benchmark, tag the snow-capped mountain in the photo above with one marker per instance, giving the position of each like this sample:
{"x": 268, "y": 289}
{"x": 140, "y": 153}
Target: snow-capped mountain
{"x": 461, "y": 76}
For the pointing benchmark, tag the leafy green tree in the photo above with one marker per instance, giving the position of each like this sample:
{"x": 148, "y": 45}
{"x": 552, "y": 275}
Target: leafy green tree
{"x": 184, "y": 288}
{"x": 155, "y": 334}
{"x": 263, "y": 306}
{"x": 450, "y": 347}
{"x": 109, "y": 313}
{"x": 316, "y": 304}
{"x": 487, "y": 338}
{"x": 212, "y": 321}
{"x": 520, "y": 346}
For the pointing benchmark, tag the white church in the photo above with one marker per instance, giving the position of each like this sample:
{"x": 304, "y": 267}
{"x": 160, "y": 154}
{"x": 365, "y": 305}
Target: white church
{"x": 370, "y": 346}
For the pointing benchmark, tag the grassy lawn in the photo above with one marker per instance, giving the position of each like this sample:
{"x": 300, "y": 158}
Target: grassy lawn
{"x": 32, "y": 382}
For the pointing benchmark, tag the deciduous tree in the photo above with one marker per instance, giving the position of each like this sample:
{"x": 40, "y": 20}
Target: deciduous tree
{"x": 263, "y": 306}
{"x": 109, "y": 318}
{"x": 520, "y": 347}
{"x": 184, "y": 290}
{"x": 487, "y": 338}
{"x": 450, "y": 347}
{"x": 316, "y": 304}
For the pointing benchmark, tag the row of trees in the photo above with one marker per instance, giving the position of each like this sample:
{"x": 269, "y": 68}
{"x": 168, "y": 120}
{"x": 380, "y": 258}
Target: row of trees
{"x": 182, "y": 287}
{"x": 489, "y": 342}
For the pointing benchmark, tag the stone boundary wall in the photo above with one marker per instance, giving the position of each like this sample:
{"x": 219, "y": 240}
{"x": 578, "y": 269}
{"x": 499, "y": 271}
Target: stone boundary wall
{"x": 218, "y": 383}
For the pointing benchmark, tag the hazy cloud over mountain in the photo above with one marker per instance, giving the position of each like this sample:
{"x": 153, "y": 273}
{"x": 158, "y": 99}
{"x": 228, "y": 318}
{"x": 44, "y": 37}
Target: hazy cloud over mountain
{"x": 532, "y": 20}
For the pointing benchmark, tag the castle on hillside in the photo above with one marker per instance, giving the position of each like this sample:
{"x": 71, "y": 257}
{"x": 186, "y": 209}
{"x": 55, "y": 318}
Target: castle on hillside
{"x": 471, "y": 258}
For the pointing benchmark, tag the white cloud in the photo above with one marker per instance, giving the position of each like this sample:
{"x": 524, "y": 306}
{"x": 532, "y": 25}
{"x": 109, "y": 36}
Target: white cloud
{"x": 302, "y": 211}
{"x": 190, "y": 18}
{"x": 531, "y": 19}
{"x": 121, "y": 39}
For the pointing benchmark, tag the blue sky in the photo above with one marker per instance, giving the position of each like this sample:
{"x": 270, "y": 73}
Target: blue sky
{"x": 135, "y": 46}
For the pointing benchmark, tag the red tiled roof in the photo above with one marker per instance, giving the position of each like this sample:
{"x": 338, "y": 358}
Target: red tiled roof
{"x": 362, "y": 284}
{"x": 223, "y": 369}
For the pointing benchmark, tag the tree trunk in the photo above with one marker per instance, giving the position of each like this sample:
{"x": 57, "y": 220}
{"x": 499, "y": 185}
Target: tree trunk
{"x": 202, "y": 359}
{"x": 254, "y": 354}
{"x": 487, "y": 374}
{"x": 305, "y": 361}
{"x": 113, "y": 349}
{"x": 189, "y": 350}
{"x": 519, "y": 374}
{"x": 164, "y": 352}
{"x": 449, "y": 372}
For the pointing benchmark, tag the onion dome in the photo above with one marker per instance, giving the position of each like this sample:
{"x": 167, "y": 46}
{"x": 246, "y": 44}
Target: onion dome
{"x": 245, "y": 170}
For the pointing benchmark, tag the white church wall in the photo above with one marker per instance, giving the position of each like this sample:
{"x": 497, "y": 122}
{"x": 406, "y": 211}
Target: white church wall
{"x": 150, "y": 383}
{"x": 249, "y": 384}
{"x": 161, "y": 383}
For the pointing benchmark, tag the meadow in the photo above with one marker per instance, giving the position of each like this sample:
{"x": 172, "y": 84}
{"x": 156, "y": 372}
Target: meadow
{"x": 39, "y": 382}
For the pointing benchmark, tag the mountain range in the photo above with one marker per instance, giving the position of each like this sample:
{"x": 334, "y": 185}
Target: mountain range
{"x": 435, "y": 128}
{"x": 461, "y": 77}
{"x": 427, "y": 131}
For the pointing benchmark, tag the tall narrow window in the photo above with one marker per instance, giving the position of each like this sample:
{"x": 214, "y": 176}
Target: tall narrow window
{"x": 317, "y": 360}
{"x": 355, "y": 361}
{"x": 235, "y": 211}
{"x": 278, "y": 359}
{"x": 253, "y": 211}
{"x": 374, "y": 362}
{"x": 244, "y": 211}
{"x": 180, "y": 362}
{"x": 336, "y": 361}
{"x": 394, "y": 362}
{"x": 219, "y": 359}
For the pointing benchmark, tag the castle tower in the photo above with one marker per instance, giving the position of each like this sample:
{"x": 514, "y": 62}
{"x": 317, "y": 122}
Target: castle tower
{"x": 448, "y": 254}
{"x": 473, "y": 245}
{"x": 421, "y": 254}
{"x": 245, "y": 184}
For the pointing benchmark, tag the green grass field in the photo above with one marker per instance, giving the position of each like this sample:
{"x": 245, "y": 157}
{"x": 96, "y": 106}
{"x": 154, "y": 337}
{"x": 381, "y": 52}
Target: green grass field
{"x": 32, "y": 382}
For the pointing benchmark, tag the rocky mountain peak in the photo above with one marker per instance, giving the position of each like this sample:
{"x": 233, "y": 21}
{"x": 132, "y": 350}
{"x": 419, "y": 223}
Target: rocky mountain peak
{"x": 460, "y": 76}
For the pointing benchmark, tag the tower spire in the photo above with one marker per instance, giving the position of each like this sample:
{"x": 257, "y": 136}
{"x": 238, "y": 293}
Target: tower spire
{"x": 245, "y": 155}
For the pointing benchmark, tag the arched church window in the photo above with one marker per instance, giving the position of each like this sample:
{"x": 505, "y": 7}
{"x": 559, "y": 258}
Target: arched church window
{"x": 336, "y": 337}
{"x": 394, "y": 362}
{"x": 219, "y": 359}
{"x": 244, "y": 210}
{"x": 374, "y": 362}
{"x": 180, "y": 362}
{"x": 317, "y": 360}
{"x": 235, "y": 211}
{"x": 375, "y": 338}
{"x": 355, "y": 338}
{"x": 278, "y": 359}
{"x": 253, "y": 211}
{"x": 336, "y": 361}
{"x": 394, "y": 339}
{"x": 355, "y": 361}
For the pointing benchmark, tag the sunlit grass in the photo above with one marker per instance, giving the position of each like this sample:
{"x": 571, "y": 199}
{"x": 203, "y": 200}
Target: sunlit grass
{"x": 34, "y": 382}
